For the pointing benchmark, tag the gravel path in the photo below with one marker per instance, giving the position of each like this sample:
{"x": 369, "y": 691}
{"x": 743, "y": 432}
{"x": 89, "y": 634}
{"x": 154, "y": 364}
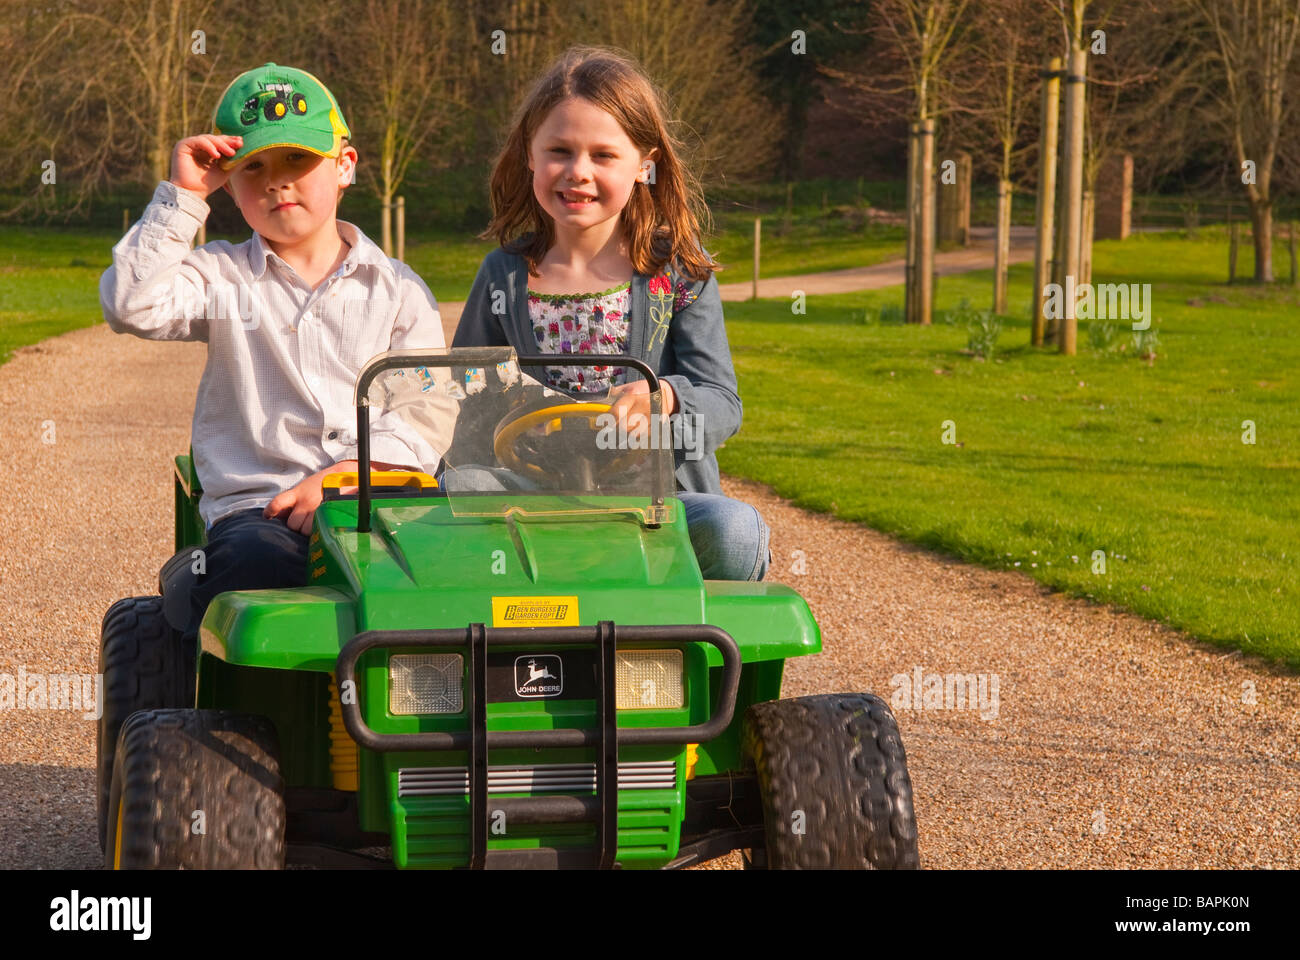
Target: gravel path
{"x": 1116, "y": 742}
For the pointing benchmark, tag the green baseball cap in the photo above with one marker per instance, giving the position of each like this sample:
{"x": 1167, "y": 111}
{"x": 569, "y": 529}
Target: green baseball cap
{"x": 274, "y": 106}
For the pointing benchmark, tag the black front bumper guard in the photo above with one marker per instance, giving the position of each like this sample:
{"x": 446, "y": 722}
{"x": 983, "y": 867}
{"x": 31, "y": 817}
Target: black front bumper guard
{"x": 602, "y": 808}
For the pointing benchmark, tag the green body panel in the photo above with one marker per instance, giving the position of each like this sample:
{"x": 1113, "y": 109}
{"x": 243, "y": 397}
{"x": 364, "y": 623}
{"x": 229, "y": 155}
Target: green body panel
{"x": 424, "y": 567}
{"x": 189, "y": 526}
{"x": 293, "y": 629}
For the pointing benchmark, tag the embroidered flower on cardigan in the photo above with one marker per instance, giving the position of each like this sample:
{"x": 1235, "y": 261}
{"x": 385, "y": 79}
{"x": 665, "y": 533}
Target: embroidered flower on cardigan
{"x": 660, "y": 289}
{"x": 685, "y": 296}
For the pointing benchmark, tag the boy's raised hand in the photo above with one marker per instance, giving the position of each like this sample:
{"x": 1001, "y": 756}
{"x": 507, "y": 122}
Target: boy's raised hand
{"x": 194, "y": 161}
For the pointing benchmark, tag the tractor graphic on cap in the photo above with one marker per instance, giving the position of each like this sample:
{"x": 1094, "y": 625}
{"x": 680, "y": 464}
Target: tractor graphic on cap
{"x": 275, "y": 101}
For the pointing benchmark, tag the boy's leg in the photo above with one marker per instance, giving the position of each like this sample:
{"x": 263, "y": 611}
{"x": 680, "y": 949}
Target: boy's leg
{"x": 247, "y": 551}
{"x": 729, "y": 536}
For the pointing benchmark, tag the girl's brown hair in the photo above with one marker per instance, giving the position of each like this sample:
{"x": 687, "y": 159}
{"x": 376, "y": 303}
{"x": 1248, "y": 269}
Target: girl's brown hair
{"x": 661, "y": 222}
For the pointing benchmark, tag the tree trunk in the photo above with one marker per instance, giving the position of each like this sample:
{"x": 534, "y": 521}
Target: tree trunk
{"x": 1046, "y": 201}
{"x": 925, "y": 235}
{"x": 1261, "y": 222}
{"x": 909, "y": 273}
{"x": 1002, "y": 248}
{"x": 1072, "y": 222}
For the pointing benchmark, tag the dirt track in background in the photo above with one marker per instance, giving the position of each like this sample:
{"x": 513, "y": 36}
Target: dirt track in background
{"x": 1116, "y": 742}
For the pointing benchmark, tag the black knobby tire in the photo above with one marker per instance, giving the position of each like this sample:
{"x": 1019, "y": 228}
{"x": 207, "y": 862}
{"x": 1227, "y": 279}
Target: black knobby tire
{"x": 833, "y": 777}
{"x": 172, "y": 765}
{"x": 144, "y": 666}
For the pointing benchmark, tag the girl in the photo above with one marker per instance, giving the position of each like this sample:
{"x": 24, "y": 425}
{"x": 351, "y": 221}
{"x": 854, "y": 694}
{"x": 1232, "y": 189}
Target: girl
{"x": 600, "y": 253}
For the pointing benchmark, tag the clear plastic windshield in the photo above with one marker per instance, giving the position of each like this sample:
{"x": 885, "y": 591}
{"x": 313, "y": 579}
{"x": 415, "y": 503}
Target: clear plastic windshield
{"x": 508, "y": 442}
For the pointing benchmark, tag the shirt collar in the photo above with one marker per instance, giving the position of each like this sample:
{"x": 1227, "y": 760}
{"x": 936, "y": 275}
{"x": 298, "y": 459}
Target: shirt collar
{"x": 362, "y": 250}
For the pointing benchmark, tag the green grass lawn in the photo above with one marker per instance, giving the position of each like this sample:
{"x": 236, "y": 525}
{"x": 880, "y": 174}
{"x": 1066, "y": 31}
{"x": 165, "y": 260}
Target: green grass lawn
{"x": 49, "y": 282}
{"x": 1056, "y": 457}
{"x": 824, "y": 230}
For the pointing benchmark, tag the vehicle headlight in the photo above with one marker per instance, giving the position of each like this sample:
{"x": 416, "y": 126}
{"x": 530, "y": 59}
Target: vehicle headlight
{"x": 648, "y": 679}
{"x": 425, "y": 683}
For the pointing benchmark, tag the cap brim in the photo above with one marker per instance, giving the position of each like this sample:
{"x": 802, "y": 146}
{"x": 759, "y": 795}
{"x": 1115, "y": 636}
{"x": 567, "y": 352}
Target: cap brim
{"x": 249, "y": 149}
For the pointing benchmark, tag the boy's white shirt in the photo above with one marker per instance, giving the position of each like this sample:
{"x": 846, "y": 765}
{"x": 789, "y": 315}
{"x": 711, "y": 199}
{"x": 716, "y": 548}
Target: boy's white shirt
{"x": 275, "y": 401}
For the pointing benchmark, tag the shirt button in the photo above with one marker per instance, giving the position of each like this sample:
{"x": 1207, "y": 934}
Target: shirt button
{"x": 333, "y": 435}
{"x": 306, "y": 317}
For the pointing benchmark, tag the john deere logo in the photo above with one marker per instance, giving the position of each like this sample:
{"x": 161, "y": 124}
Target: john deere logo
{"x": 539, "y": 675}
{"x": 275, "y": 102}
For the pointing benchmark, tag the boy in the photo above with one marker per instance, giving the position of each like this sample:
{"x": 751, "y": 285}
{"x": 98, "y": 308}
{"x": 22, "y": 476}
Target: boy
{"x": 289, "y": 316}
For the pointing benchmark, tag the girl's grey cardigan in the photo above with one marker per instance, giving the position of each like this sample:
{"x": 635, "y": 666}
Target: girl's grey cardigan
{"x": 694, "y": 356}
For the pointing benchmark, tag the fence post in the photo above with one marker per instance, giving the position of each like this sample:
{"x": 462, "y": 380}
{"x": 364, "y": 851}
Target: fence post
{"x": 386, "y": 228}
{"x": 953, "y": 204}
{"x": 758, "y": 237}
{"x": 126, "y": 220}
{"x": 1085, "y": 237}
{"x": 401, "y": 229}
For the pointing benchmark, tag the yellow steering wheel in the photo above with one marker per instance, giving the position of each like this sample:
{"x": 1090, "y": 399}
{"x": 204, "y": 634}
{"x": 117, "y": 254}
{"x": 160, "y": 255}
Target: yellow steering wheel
{"x": 552, "y": 420}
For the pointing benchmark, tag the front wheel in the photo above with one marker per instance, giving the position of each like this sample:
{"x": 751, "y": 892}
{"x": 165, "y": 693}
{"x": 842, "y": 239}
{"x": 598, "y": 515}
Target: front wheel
{"x": 145, "y": 666}
{"x": 833, "y": 778}
{"x": 196, "y": 789}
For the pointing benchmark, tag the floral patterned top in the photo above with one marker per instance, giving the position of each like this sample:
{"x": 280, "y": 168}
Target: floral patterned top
{"x": 582, "y": 323}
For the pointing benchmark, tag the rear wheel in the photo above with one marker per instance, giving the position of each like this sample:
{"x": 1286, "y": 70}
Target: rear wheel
{"x": 833, "y": 777}
{"x": 144, "y": 666}
{"x": 196, "y": 789}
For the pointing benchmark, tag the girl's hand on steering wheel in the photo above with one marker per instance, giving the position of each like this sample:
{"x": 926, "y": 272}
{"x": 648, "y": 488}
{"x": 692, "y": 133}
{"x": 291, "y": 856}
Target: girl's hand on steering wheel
{"x": 628, "y": 399}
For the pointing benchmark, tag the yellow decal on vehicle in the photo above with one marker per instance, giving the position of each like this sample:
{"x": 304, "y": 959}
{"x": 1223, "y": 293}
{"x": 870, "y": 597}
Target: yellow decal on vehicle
{"x": 534, "y": 611}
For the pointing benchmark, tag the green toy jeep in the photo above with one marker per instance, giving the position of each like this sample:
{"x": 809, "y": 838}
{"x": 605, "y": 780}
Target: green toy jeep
{"x": 514, "y": 662}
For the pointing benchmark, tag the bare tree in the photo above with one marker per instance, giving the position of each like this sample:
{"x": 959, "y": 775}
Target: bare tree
{"x": 993, "y": 85}
{"x": 919, "y": 38}
{"x": 1252, "y": 44}
{"x": 1070, "y": 222}
{"x": 405, "y": 83}
{"x": 1141, "y": 88}
{"x": 111, "y": 77}
{"x": 706, "y": 64}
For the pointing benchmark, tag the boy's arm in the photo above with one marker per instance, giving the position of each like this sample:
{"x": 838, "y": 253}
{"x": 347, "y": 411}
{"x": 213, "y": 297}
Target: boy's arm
{"x": 155, "y": 287}
{"x": 297, "y": 505}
